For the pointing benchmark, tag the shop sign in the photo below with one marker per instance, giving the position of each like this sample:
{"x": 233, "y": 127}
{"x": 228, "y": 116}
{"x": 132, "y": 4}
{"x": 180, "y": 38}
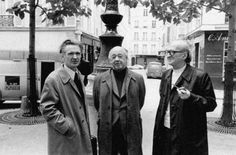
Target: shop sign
{"x": 217, "y": 37}
{"x": 213, "y": 59}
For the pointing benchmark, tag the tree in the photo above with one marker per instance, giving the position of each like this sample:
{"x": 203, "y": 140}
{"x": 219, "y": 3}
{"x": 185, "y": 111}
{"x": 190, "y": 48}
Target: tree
{"x": 176, "y": 11}
{"x": 54, "y": 10}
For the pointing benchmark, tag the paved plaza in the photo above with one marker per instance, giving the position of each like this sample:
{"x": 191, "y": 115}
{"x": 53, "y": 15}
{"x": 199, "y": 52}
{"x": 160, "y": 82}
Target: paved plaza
{"x": 32, "y": 139}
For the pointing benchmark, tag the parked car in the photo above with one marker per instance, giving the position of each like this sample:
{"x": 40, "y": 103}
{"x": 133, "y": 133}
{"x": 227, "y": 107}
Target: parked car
{"x": 155, "y": 70}
{"x": 137, "y": 66}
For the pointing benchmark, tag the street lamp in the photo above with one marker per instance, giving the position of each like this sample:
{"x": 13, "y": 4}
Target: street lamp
{"x": 110, "y": 38}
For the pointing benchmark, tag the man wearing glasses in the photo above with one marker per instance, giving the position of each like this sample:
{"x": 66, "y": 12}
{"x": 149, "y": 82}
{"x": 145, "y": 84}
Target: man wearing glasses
{"x": 186, "y": 94}
{"x": 63, "y": 105}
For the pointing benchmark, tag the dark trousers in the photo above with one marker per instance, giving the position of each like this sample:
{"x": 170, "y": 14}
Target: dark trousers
{"x": 166, "y": 142}
{"x": 119, "y": 144}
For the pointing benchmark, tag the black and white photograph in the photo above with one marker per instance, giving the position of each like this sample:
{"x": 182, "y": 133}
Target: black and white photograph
{"x": 117, "y": 77}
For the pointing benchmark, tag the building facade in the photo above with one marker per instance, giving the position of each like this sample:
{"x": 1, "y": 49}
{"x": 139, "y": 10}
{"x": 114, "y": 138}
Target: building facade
{"x": 14, "y": 50}
{"x": 145, "y": 33}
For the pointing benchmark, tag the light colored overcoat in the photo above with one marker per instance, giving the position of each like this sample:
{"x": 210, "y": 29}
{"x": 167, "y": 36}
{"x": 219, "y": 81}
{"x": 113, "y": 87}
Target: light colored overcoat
{"x": 62, "y": 107}
{"x": 135, "y": 95}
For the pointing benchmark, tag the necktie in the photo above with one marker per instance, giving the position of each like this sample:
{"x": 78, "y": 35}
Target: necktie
{"x": 80, "y": 88}
{"x": 79, "y": 85}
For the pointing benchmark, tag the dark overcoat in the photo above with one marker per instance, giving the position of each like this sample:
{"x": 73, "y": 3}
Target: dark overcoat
{"x": 63, "y": 108}
{"x": 188, "y": 117}
{"x": 135, "y": 95}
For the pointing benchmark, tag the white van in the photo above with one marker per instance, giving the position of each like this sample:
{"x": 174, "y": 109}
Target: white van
{"x": 14, "y": 78}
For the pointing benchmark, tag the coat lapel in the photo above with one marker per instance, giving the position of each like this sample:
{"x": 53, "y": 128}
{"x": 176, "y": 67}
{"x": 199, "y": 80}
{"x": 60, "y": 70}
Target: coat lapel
{"x": 186, "y": 75}
{"x": 107, "y": 80}
{"x": 168, "y": 78}
{"x": 126, "y": 83}
{"x": 111, "y": 83}
{"x": 67, "y": 79}
{"x": 114, "y": 84}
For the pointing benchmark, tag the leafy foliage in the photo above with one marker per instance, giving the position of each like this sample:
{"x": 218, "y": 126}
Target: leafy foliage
{"x": 54, "y": 10}
{"x": 176, "y": 10}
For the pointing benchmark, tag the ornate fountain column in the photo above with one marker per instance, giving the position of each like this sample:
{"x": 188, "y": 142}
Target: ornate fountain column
{"x": 110, "y": 38}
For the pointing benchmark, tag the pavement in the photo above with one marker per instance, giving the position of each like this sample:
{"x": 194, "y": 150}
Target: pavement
{"x": 32, "y": 139}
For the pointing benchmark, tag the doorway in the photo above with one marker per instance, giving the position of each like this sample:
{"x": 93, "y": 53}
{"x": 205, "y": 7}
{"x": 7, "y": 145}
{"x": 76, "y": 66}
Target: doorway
{"x": 46, "y": 69}
{"x": 196, "y": 54}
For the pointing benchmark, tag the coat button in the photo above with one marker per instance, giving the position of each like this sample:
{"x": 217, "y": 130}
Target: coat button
{"x": 82, "y": 121}
{"x": 80, "y": 107}
{"x": 108, "y": 107}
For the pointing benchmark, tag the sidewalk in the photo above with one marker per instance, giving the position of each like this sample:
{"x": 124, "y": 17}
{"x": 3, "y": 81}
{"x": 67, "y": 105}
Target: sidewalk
{"x": 23, "y": 139}
{"x": 32, "y": 139}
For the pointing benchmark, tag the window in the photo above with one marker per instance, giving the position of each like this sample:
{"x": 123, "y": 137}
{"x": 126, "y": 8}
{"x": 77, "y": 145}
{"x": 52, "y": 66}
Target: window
{"x": 153, "y": 48}
{"x": 12, "y": 82}
{"x": 2, "y": 7}
{"x": 136, "y": 37}
{"x": 225, "y": 52}
{"x": 145, "y": 24}
{"x": 136, "y": 23}
{"x": 168, "y": 35}
{"x": 145, "y": 36}
{"x": 135, "y": 48}
{"x": 226, "y": 19}
{"x": 153, "y": 24}
{"x": 145, "y": 12}
{"x": 145, "y": 48}
{"x": 153, "y": 37}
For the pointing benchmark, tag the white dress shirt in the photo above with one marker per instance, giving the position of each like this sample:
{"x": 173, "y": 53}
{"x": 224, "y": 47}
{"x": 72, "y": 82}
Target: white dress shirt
{"x": 175, "y": 75}
{"x": 70, "y": 72}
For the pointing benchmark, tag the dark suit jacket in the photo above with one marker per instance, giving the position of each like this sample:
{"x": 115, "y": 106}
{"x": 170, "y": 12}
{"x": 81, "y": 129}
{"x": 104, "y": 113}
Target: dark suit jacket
{"x": 188, "y": 117}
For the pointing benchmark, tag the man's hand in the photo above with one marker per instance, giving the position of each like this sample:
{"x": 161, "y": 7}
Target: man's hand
{"x": 183, "y": 92}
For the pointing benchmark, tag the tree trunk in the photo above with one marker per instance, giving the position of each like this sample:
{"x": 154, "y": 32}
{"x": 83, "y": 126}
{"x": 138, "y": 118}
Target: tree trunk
{"x": 226, "y": 118}
{"x": 31, "y": 63}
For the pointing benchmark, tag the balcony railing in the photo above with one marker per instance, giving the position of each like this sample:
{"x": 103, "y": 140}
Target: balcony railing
{"x": 6, "y": 20}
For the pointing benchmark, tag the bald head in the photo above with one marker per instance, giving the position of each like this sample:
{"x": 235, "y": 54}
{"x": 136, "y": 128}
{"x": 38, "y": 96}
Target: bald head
{"x": 118, "y": 49}
{"x": 181, "y": 45}
{"x": 118, "y": 57}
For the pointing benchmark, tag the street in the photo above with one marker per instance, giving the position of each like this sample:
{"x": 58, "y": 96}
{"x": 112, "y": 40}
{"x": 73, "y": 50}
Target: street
{"x": 32, "y": 139}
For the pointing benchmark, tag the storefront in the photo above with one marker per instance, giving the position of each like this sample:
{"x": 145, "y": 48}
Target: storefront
{"x": 209, "y": 52}
{"x": 91, "y": 48}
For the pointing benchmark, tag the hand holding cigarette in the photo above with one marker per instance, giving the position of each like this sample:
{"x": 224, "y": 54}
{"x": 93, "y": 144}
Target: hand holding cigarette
{"x": 183, "y": 92}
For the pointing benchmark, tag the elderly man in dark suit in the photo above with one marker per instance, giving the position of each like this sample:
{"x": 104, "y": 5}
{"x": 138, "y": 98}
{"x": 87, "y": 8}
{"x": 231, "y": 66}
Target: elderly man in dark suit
{"x": 186, "y": 95}
{"x": 63, "y": 106}
{"x": 118, "y": 97}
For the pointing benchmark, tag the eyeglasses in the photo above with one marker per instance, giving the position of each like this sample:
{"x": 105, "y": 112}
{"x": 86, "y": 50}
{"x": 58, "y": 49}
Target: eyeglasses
{"x": 170, "y": 52}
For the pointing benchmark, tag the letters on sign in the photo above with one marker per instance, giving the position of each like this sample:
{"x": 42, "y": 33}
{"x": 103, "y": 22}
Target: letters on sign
{"x": 217, "y": 37}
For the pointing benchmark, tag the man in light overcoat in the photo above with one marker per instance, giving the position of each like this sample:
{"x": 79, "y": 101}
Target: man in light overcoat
{"x": 118, "y": 97}
{"x": 63, "y": 106}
